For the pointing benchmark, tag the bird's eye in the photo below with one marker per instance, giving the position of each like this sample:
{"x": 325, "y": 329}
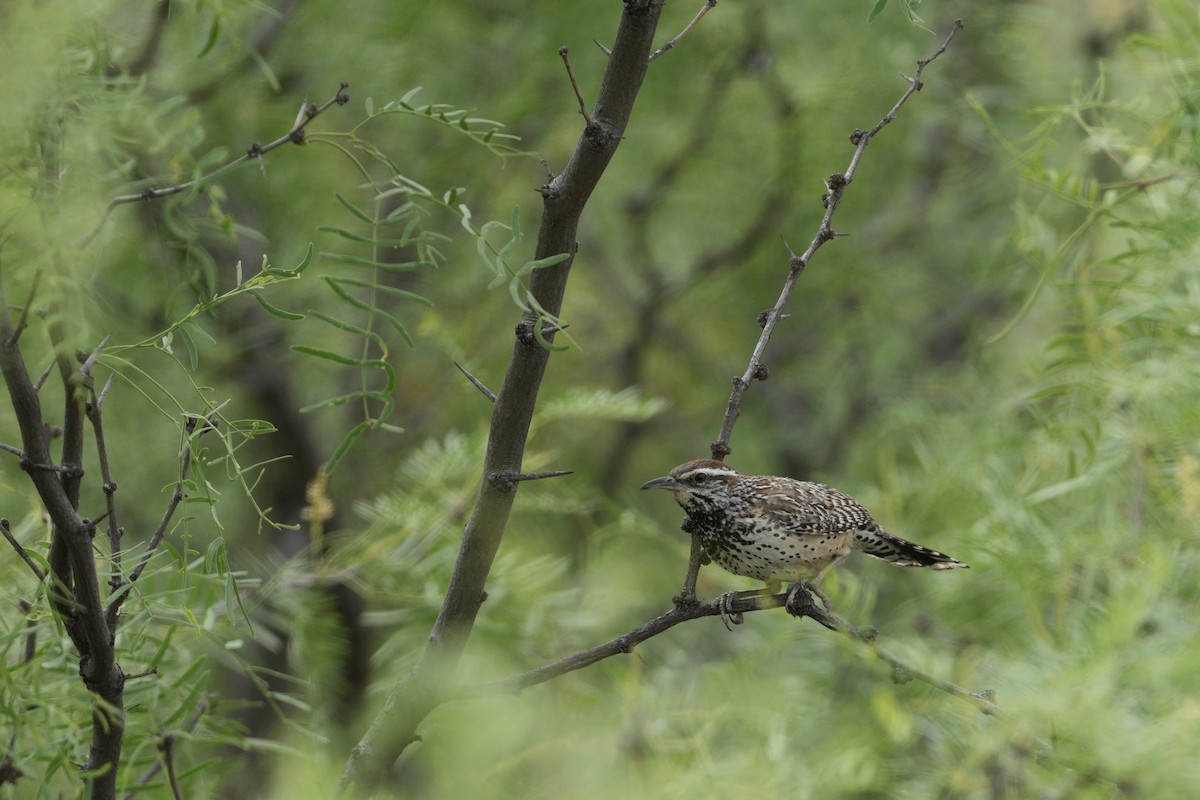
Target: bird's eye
{"x": 700, "y": 478}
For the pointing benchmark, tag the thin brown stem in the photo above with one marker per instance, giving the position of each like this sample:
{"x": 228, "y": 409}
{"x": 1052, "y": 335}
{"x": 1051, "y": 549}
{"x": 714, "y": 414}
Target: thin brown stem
{"x": 6, "y": 529}
{"x": 562, "y": 51}
{"x": 709, "y": 5}
{"x": 835, "y": 189}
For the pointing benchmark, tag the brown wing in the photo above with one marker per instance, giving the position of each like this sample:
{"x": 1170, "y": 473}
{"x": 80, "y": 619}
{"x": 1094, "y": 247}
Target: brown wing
{"x": 803, "y": 507}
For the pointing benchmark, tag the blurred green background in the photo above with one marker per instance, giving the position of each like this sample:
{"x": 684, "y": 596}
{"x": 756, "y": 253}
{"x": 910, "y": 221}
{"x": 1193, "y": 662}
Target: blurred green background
{"x": 1001, "y": 359}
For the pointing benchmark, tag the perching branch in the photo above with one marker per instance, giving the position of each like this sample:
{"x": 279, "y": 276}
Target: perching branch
{"x": 835, "y": 189}
{"x": 806, "y": 607}
{"x": 308, "y": 112}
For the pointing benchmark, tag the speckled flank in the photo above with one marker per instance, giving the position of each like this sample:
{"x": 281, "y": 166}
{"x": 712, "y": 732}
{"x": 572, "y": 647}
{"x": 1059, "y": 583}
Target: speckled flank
{"x": 780, "y": 529}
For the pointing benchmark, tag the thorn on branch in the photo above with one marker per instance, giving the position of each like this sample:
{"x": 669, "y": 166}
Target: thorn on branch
{"x": 505, "y": 481}
{"x": 478, "y": 384}
{"x": 603, "y": 49}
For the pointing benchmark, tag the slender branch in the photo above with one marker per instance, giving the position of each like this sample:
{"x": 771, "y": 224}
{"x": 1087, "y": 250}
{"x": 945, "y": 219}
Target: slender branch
{"x": 95, "y": 416}
{"x": 562, "y": 51}
{"x": 167, "y": 748}
{"x": 6, "y": 529}
{"x": 835, "y": 189}
{"x": 696, "y": 559}
{"x": 709, "y": 5}
{"x": 118, "y": 596}
{"x": 478, "y": 384}
{"x": 37, "y": 385}
{"x": 736, "y": 606}
{"x": 193, "y": 722}
{"x": 16, "y": 451}
{"x": 296, "y": 136}
{"x": 23, "y": 320}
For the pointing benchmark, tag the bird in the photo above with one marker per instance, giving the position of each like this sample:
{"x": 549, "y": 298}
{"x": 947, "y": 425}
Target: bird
{"x": 778, "y": 529}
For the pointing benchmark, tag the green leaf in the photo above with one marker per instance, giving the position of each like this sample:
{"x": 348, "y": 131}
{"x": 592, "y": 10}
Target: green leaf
{"x": 395, "y": 323}
{"x": 355, "y": 261}
{"x": 346, "y": 296}
{"x": 328, "y": 355}
{"x": 875, "y": 11}
{"x": 355, "y": 210}
{"x": 275, "y": 310}
{"x": 549, "y": 261}
{"x": 349, "y": 439}
{"x": 388, "y": 290}
{"x": 213, "y": 31}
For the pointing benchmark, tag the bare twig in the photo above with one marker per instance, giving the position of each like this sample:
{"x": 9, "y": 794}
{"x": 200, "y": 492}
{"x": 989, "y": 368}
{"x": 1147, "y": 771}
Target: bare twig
{"x": 562, "y": 51}
{"x": 118, "y": 596}
{"x": 296, "y": 135}
{"x": 37, "y": 385}
{"x": 835, "y": 188}
{"x": 478, "y": 384}
{"x": 6, "y": 529}
{"x": 166, "y": 746}
{"x": 23, "y": 320}
{"x": 157, "y": 767}
{"x": 16, "y": 451}
{"x": 709, "y": 5}
{"x": 603, "y": 49}
{"x": 95, "y": 416}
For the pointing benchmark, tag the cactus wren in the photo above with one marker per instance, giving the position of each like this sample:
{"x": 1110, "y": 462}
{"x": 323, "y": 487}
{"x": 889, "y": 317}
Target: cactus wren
{"x": 780, "y": 529}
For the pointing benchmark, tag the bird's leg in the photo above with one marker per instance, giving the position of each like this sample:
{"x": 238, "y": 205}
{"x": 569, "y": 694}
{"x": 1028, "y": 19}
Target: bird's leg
{"x": 819, "y": 592}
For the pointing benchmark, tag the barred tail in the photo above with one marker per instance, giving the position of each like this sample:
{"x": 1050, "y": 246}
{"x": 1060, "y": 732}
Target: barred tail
{"x": 875, "y": 541}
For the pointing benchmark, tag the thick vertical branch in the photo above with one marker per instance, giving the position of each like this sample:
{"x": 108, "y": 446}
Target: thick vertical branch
{"x": 71, "y": 550}
{"x": 564, "y": 199}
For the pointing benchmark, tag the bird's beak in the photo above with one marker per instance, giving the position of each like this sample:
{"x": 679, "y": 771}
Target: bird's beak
{"x": 665, "y": 482}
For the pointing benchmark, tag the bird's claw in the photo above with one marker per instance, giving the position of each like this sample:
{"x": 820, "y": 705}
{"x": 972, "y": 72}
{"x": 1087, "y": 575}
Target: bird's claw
{"x": 729, "y": 618}
{"x": 800, "y": 601}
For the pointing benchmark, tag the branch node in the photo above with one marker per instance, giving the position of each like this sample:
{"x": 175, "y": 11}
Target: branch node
{"x": 856, "y": 136}
{"x": 720, "y": 449}
{"x": 761, "y": 373}
{"x": 256, "y": 150}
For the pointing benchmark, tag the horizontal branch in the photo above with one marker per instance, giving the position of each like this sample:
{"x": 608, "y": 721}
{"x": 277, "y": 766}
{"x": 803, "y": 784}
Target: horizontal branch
{"x": 736, "y": 606}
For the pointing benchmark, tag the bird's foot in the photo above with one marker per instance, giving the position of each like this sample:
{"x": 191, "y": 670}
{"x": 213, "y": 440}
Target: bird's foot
{"x": 730, "y": 618}
{"x": 800, "y": 600}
